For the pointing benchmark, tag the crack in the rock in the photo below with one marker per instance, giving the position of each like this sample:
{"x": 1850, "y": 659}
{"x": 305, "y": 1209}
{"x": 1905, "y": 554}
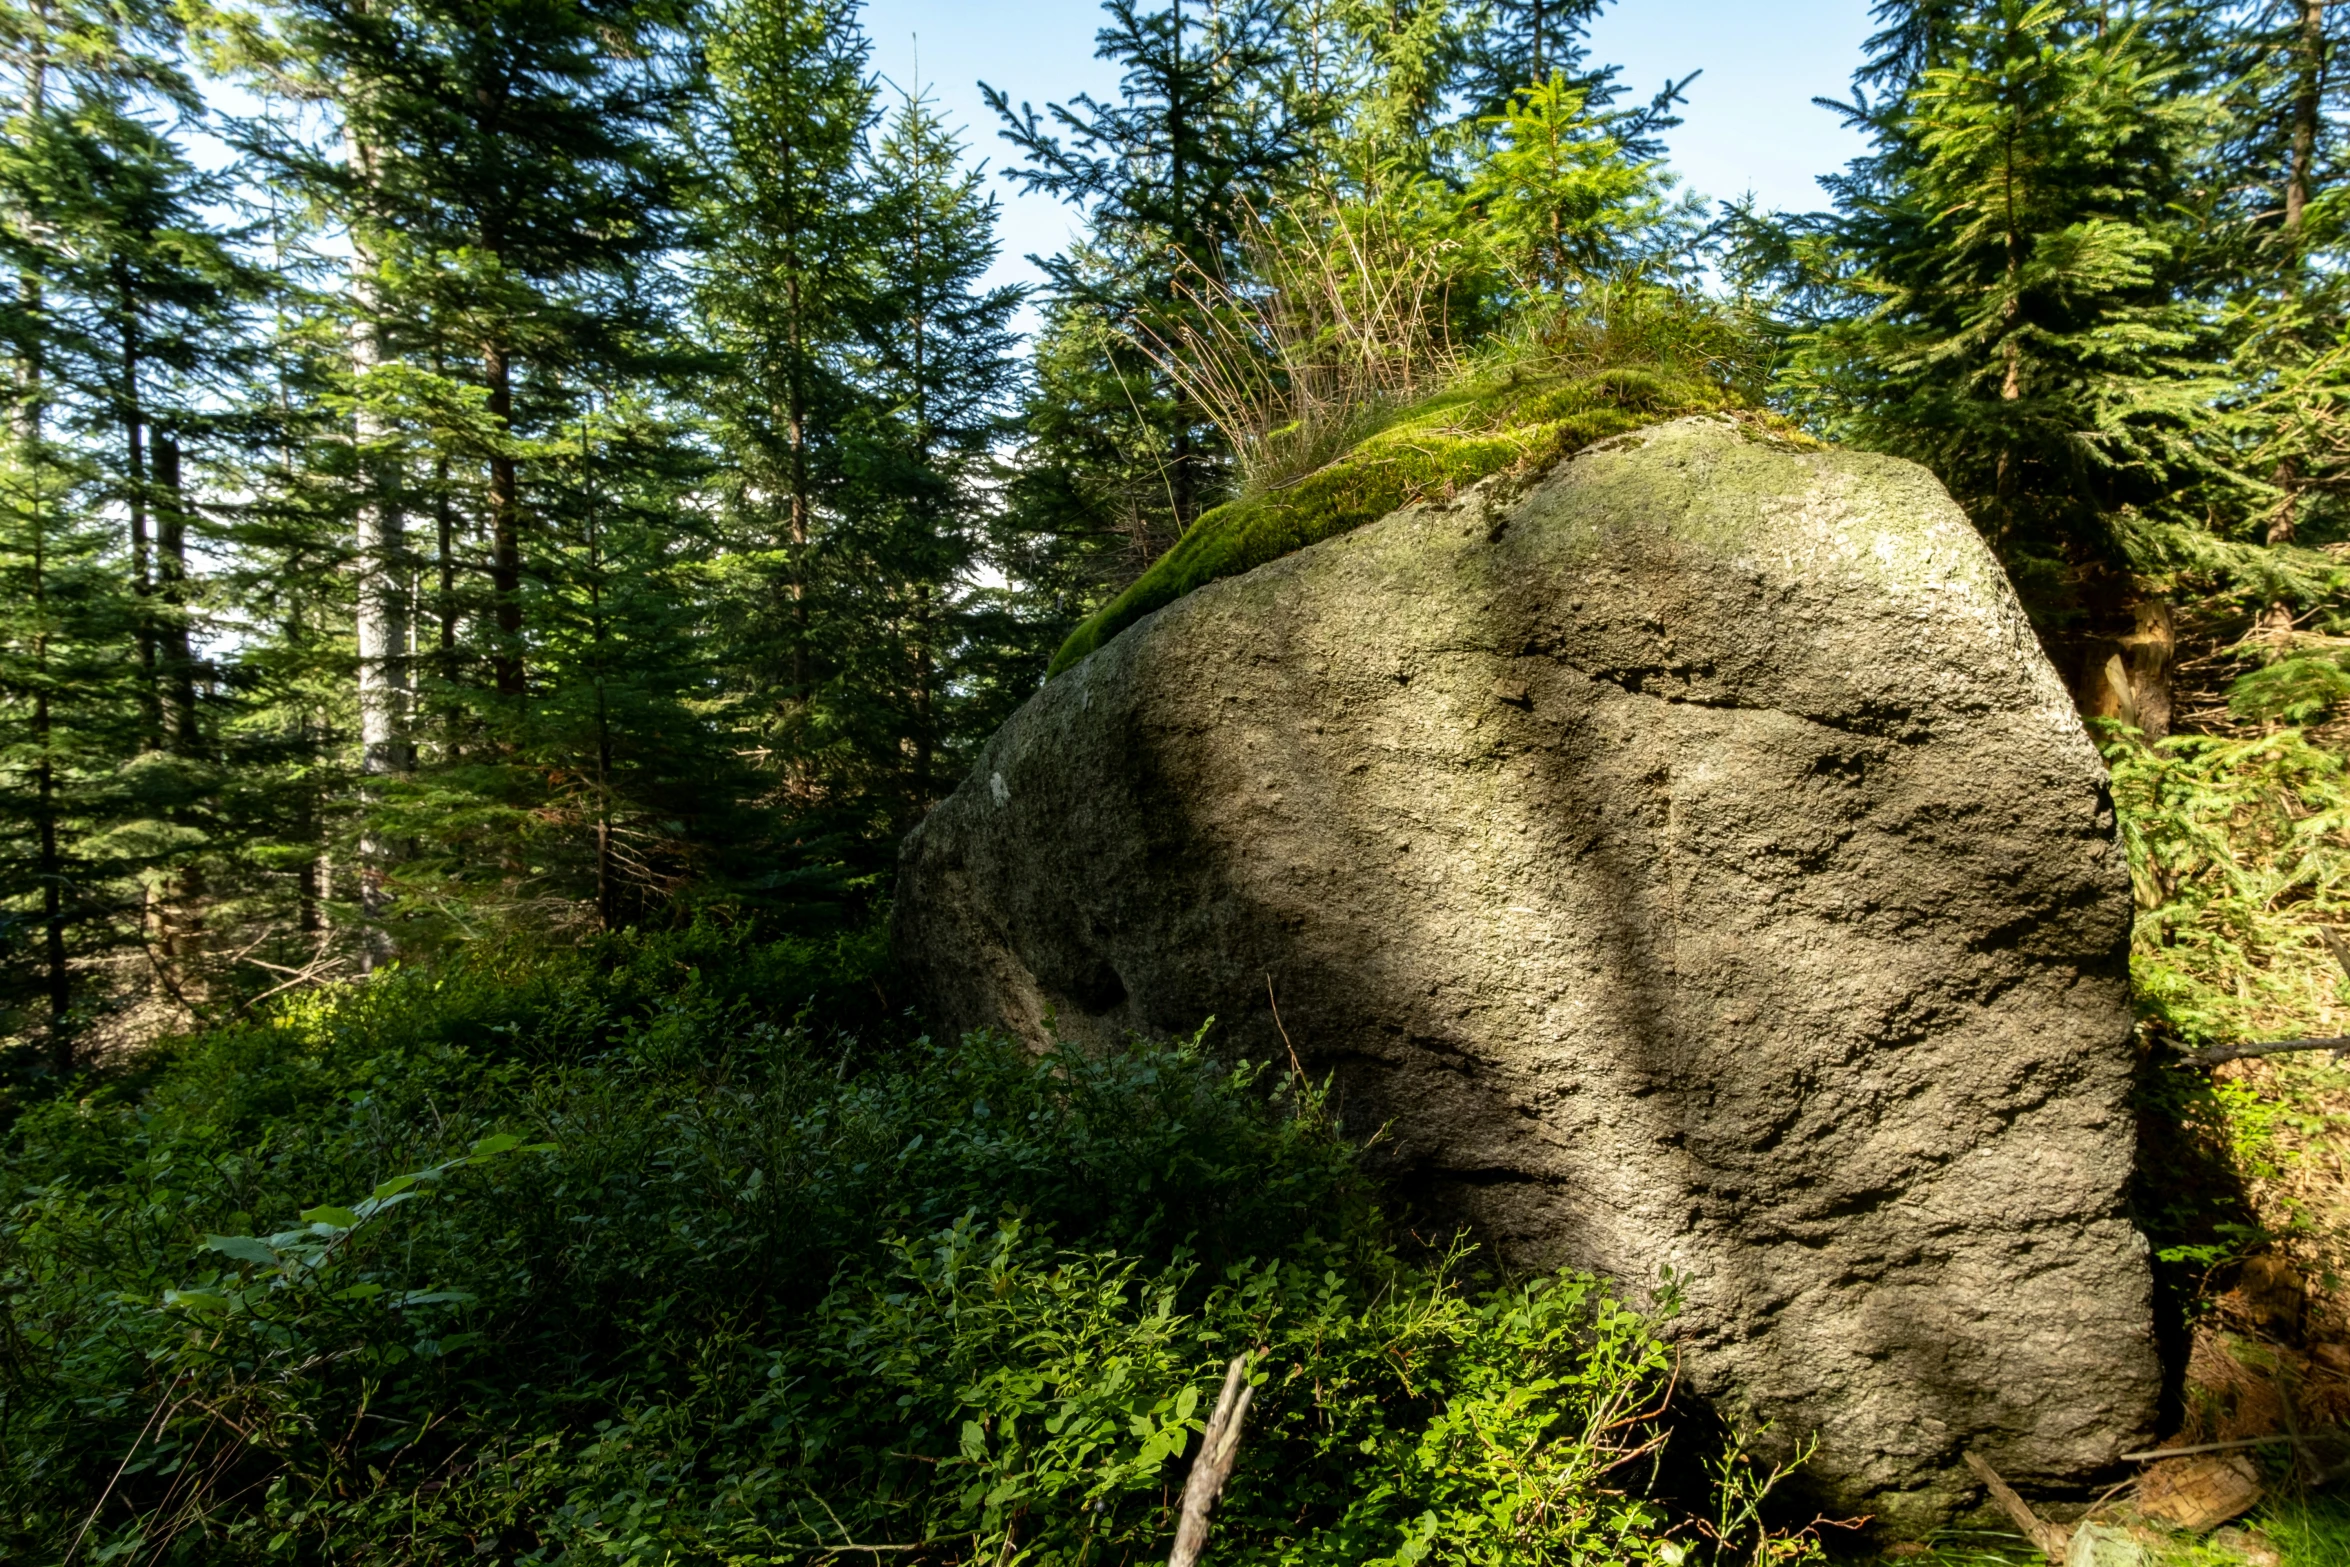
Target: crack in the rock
{"x": 1902, "y": 729}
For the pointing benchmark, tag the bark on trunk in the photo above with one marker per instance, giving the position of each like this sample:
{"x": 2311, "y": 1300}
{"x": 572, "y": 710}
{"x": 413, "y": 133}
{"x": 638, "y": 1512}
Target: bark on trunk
{"x": 2308, "y": 51}
{"x": 799, "y": 522}
{"x": 135, "y": 482}
{"x": 505, "y": 529}
{"x": 381, "y": 545}
{"x": 2129, "y": 677}
{"x": 178, "y": 661}
{"x": 381, "y": 542}
{"x": 925, "y": 722}
{"x": 31, "y": 389}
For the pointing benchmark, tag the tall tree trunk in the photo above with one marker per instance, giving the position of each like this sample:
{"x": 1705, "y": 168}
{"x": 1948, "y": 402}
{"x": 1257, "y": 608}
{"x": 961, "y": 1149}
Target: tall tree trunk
{"x": 31, "y": 391}
{"x": 444, "y": 518}
{"x": 46, "y": 804}
{"x": 381, "y": 545}
{"x": 1182, "y": 486}
{"x": 799, "y": 522}
{"x": 178, "y": 662}
{"x": 505, "y": 528}
{"x": 184, "y": 915}
{"x": 310, "y": 883}
{"x": 607, "y": 883}
{"x": 2309, "y": 58}
{"x": 60, "y": 975}
{"x": 136, "y": 500}
{"x": 925, "y": 716}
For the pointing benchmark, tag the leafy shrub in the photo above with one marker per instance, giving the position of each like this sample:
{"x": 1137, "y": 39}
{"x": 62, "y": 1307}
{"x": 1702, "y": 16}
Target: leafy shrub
{"x": 624, "y": 1260}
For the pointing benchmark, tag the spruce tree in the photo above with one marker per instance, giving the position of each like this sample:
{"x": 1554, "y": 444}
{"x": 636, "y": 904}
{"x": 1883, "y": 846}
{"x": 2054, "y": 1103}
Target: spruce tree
{"x": 2281, "y": 161}
{"x": 124, "y": 335}
{"x": 1202, "y": 135}
{"x": 506, "y": 178}
{"x": 2009, "y": 301}
{"x": 783, "y": 285}
{"x": 936, "y": 365}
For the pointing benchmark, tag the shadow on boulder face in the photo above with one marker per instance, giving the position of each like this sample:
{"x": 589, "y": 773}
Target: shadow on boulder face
{"x": 1694, "y": 864}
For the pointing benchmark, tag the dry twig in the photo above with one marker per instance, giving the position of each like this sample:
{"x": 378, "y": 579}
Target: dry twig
{"x": 1275, "y": 1002}
{"x": 2050, "y": 1538}
{"x": 1219, "y": 1446}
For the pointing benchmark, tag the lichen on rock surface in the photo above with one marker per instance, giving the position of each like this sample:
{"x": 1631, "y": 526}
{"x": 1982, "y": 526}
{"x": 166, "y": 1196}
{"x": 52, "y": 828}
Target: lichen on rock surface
{"x": 1692, "y": 862}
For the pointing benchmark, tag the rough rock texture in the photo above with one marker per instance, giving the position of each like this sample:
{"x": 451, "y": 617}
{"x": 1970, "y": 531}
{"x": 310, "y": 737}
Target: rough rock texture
{"x": 1696, "y": 862}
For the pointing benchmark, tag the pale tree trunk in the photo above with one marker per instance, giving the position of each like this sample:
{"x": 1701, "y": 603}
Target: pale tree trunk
{"x": 2309, "y": 59}
{"x": 31, "y": 390}
{"x": 505, "y": 528}
{"x": 175, "y": 654}
{"x": 381, "y": 547}
{"x": 134, "y": 456}
{"x": 183, "y": 944}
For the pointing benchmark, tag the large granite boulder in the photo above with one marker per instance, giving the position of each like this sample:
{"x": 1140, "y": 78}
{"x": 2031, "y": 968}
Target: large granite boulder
{"x": 1695, "y": 864}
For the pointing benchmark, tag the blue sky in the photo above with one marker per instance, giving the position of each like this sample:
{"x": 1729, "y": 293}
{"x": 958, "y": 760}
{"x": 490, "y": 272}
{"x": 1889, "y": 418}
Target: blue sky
{"x": 1751, "y": 125}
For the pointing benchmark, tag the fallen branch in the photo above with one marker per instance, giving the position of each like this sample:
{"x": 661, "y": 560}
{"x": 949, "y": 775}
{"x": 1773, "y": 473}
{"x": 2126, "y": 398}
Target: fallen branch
{"x": 1219, "y": 1446}
{"x": 2213, "y": 1055}
{"x": 2050, "y": 1538}
{"x": 2156, "y": 1454}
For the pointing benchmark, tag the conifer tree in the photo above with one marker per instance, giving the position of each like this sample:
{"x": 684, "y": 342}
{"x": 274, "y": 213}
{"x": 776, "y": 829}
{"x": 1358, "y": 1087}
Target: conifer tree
{"x": 1203, "y": 133}
{"x": 936, "y": 364}
{"x": 783, "y": 287}
{"x": 123, "y": 327}
{"x": 2012, "y": 251}
{"x": 1563, "y": 197}
{"x": 2282, "y": 160}
{"x": 505, "y": 177}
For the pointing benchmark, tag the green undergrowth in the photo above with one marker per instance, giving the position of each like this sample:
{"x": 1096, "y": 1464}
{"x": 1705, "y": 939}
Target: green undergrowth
{"x": 2239, "y": 851}
{"x": 1516, "y": 420}
{"x": 627, "y": 1255}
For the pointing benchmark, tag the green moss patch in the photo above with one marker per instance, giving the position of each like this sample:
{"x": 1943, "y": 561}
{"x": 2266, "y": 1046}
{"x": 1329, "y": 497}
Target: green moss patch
{"x": 1520, "y": 422}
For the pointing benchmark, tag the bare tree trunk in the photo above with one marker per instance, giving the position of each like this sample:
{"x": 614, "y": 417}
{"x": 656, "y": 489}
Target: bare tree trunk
{"x": 505, "y": 529}
{"x": 52, "y": 886}
{"x": 444, "y": 518}
{"x": 310, "y": 882}
{"x": 178, "y": 661}
{"x": 2309, "y": 58}
{"x": 30, "y": 392}
{"x": 183, "y": 916}
{"x": 46, "y": 806}
{"x": 925, "y": 715}
{"x": 136, "y": 499}
{"x": 381, "y": 545}
{"x": 801, "y": 508}
{"x": 607, "y": 883}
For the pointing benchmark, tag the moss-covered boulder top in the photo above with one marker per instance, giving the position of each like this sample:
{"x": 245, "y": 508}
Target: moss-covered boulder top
{"x": 1521, "y": 421}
